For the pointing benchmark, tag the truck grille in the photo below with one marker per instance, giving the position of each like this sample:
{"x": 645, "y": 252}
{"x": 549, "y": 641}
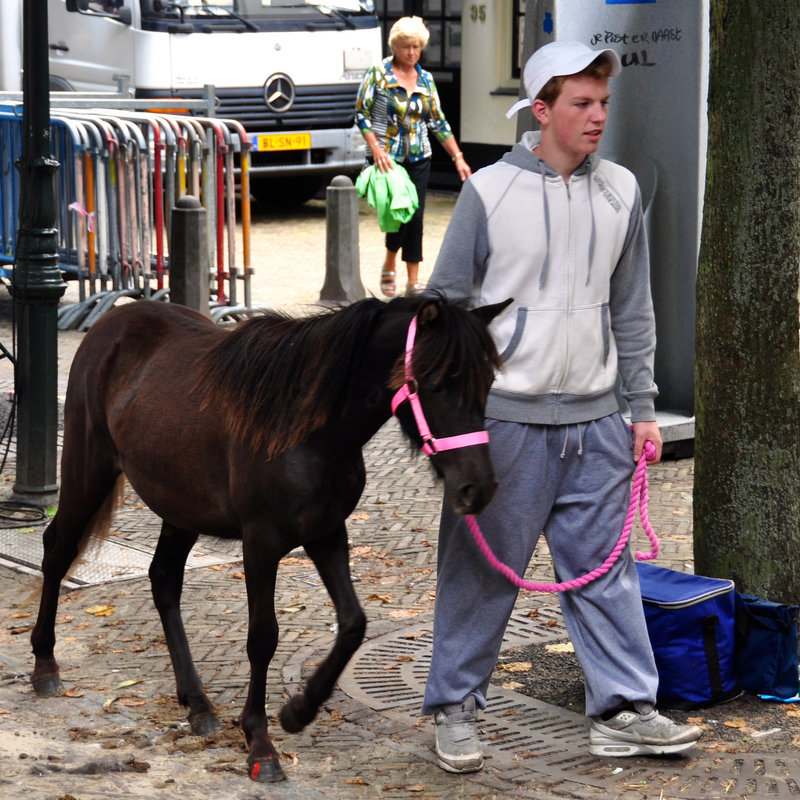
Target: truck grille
{"x": 314, "y": 108}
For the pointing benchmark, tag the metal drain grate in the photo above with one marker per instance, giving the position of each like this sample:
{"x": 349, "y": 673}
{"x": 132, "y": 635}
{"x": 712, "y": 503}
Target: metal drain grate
{"x": 103, "y": 561}
{"x": 388, "y": 672}
{"x": 530, "y": 740}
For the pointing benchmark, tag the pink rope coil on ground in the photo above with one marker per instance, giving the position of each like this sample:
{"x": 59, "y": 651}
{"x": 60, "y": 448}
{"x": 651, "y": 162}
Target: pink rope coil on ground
{"x": 639, "y": 500}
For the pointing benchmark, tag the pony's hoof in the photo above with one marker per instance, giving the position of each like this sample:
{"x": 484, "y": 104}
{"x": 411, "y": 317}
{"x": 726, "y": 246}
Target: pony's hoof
{"x": 205, "y": 724}
{"x": 48, "y": 686}
{"x": 296, "y": 714}
{"x": 266, "y": 770}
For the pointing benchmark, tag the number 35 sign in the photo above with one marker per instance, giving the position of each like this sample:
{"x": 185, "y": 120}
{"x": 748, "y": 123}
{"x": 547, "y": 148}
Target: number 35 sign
{"x": 477, "y": 13}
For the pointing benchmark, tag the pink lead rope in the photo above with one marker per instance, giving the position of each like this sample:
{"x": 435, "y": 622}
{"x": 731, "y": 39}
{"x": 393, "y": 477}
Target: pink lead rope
{"x": 431, "y": 446}
{"x": 639, "y": 498}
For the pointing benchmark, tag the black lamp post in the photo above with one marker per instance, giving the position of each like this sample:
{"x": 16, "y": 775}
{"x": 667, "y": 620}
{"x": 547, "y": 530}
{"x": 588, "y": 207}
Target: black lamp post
{"x": 37, "y": 284}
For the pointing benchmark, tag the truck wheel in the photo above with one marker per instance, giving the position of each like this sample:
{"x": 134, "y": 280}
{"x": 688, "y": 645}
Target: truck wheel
{"x": 287, "y": 191}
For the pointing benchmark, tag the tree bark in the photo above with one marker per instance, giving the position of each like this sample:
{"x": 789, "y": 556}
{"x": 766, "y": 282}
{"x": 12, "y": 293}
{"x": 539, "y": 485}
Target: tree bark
{"x": 747, "y": 438}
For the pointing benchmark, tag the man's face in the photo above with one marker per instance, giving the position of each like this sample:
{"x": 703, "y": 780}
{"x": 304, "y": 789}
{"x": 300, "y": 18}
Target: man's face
{"x": 577, "y": 118}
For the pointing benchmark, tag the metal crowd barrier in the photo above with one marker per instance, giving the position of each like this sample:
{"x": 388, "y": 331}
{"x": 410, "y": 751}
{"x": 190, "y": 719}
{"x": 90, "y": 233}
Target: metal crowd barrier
{"x": 122, "y": 171}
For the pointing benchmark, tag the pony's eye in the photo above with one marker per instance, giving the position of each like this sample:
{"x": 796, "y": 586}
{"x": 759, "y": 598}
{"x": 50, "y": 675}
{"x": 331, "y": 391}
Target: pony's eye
{"x": 435, "y": 389}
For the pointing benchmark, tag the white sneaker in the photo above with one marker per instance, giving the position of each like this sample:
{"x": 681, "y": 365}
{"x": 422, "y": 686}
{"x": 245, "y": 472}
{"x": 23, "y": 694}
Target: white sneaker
{"x": 640, "y": 732}
{"x": 457, "y": 745}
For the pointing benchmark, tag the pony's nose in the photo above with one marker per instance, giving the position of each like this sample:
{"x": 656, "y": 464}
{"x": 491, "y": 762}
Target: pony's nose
{"x": 472, "y": 498}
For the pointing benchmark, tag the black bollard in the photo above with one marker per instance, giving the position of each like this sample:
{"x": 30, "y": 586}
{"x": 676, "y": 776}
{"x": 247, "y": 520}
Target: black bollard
{"x": 342, "y": 277}
{"x": 188, "y": 259}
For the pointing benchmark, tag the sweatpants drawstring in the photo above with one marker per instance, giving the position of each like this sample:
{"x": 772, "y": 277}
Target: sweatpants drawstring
{"x": 566, "y": 441}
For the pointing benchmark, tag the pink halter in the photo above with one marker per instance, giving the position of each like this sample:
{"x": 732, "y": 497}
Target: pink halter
{"x": 408, "y": 391}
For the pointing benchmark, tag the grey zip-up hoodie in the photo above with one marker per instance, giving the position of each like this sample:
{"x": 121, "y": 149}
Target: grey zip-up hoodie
{"x": 574, "y": 257}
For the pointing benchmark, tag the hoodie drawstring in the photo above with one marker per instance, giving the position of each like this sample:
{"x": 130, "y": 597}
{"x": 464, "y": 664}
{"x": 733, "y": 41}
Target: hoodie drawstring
{"x": 543, "y": 273}
{"x": 591, "y": 216}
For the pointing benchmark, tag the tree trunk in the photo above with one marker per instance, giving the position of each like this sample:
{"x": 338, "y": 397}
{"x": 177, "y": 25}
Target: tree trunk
{"x": 747, "y": 445}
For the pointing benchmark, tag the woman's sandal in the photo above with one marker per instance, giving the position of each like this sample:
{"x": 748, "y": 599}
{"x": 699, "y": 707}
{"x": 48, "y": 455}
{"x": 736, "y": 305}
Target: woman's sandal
{"x": 413, "y": 289}
{"x": 387, "y": 283}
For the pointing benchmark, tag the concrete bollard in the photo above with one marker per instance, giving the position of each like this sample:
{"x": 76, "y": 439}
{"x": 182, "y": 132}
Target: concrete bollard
{"x": 188, "y": 258}
{"x": 342, "y": 277}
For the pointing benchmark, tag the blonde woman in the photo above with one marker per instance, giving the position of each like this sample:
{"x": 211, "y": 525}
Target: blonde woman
{"x": 397, "y": 105}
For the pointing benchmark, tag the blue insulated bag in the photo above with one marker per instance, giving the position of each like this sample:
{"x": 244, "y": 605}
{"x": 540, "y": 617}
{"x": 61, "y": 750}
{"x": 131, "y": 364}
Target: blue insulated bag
{"x": 691, "y": 623}
{"x": 766, "y": 647}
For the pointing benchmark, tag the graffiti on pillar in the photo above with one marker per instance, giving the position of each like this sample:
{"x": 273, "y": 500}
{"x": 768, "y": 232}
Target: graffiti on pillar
{"x": 637, "y": 55}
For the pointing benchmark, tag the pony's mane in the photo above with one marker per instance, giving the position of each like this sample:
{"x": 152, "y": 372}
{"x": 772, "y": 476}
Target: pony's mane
{"x": 453, "y": 345}
{"x": 275, "y": 378}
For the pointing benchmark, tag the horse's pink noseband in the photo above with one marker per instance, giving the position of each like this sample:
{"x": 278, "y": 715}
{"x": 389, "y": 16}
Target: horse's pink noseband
{"x": 408, "y": 391}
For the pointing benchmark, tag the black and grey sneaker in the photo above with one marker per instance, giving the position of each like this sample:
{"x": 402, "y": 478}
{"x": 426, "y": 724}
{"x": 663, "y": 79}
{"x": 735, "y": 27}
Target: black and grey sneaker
{"x": 640, "y": 732}
{"x": 457, "y": 745}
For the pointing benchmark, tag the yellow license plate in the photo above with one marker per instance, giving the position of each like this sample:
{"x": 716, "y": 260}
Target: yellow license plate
{"x": 282, "y": 141}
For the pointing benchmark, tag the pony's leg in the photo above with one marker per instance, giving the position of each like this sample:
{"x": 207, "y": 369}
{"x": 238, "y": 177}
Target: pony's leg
{"x": 331, "y": 558}
{"x": 85, "y": 503}
{"x": 260, "y": 570}
{"x": 166, "y": 582}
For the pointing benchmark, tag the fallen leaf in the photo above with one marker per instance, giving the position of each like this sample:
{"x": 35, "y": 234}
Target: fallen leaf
{"x": 403, "y": 613}
{"x": 512, "y": 686}
{"x": 562, "y": 647}
{"x": 125, "y": 684}
{"x": 416, "y": 634}
{"x": 99, "y": 611}
{"x": 384, "y": 598}
{"x": 361, "y": 515}
{"x": 108, "y": 703}
{"x": 132, "y": 702}
{"x": 294, "y": 609}
{"x": 21, "y": 615}
{"x": 356, "y": 782}
{"x": 739, "y": 724}
{"x": 515, "y": 666}
{"x": 73, "y": 691}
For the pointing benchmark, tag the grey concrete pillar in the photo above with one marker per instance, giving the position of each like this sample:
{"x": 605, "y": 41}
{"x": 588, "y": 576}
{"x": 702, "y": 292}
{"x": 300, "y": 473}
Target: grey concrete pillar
{"x": 188, "y": 257}
{"x": 342, "y": 276}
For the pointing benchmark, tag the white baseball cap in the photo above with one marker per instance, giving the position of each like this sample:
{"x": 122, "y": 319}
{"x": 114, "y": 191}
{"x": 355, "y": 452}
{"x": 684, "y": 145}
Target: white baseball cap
{"x": 556, "y": 59}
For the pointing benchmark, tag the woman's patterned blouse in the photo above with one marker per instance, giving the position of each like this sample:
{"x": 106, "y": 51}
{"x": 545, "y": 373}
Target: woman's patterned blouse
{"x": 401, "y": 122}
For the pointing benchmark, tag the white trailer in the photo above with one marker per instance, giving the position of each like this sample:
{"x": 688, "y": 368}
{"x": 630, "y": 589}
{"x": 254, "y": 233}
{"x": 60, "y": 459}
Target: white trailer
{"x": 288, "y": 70}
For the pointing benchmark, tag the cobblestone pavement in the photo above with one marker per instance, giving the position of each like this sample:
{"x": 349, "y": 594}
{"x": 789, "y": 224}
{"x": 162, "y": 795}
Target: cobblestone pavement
{"x": 119, "y": 731}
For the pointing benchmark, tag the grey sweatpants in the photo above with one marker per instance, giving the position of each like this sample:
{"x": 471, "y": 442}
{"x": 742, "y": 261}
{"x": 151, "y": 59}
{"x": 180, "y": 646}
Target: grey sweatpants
{"x": 573, "y": 484}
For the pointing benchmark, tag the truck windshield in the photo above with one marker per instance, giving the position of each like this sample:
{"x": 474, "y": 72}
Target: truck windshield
{"x": 250, "y": 9}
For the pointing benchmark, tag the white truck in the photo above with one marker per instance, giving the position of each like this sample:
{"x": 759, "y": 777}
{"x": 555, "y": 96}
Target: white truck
{"x": 288, "y": 70}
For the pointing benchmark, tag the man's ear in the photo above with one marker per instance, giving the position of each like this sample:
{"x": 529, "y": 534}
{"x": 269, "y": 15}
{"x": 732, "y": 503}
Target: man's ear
{"x": 540, "y": 111}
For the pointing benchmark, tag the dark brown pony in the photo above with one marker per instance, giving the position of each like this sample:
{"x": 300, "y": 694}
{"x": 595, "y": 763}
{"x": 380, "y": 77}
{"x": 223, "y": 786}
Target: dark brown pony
{"x": 255, "y": 434}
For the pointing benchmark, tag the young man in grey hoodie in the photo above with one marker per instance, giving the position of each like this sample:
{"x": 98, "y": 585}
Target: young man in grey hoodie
{"x": 560, "y": 230}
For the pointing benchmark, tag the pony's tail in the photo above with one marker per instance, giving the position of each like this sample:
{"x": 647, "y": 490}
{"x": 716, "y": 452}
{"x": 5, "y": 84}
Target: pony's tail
{"x": 99, "y": 526}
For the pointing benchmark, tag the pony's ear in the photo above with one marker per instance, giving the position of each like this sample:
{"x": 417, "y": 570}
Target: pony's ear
{"x": 428, "y": 311}
{"x": 488, "y": 313}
